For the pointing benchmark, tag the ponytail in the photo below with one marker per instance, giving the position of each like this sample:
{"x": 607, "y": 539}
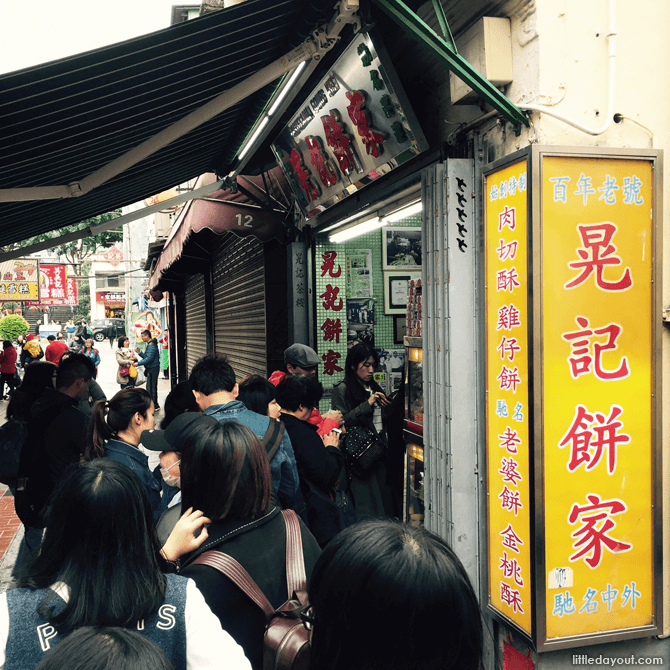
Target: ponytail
{"x": 113, "y": 416}
{"x": 98, "y": 432}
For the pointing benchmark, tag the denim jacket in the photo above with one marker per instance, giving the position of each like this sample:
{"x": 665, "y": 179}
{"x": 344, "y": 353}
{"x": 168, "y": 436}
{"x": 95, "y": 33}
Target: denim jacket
{"x": 137, "y": 461}
{"x": 283, "y": 468}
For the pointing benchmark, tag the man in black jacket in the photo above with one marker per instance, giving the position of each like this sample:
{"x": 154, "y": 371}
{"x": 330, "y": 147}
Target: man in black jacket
{"x": 56, "y": 439}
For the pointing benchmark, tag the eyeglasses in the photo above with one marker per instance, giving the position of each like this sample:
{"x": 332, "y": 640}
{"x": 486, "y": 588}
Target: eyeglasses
{"x": 307, "y": 618}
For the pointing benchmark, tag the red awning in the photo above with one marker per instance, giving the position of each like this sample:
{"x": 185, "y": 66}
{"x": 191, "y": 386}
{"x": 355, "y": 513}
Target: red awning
{"x": 223, "y": 211}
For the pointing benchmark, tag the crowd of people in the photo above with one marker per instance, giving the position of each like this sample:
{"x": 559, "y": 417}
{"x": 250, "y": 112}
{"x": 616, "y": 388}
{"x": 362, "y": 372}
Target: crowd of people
{"x": 111, "y": 545}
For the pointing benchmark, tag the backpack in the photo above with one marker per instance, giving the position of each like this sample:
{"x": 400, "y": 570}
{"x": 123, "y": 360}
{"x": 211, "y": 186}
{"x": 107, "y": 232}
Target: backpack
{"x": 286, "y": 643}
{"x": 273, "y": 438}
{"x": 12, "y": 436}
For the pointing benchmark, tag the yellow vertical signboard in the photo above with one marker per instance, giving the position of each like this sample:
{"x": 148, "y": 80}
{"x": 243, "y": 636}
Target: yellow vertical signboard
{"x": 507, "y": 382}
{"x": 597, "y": 377}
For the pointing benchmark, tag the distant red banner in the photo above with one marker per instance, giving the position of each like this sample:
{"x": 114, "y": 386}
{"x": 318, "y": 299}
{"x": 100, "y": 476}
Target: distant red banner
{"x": 72, "y": 298}
{"x": 56, "y": 288}
{"x": 53, "y": 285}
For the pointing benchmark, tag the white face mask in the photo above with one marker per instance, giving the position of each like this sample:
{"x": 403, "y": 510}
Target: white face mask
{"x": 168, "y": 478}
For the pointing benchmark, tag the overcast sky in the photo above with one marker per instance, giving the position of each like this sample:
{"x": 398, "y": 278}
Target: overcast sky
{"x": 44, "y": 30}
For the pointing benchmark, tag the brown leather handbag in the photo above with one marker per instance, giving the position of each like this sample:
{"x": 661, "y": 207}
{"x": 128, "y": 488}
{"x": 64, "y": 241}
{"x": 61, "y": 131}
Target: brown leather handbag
{"x": 286, "y": 644}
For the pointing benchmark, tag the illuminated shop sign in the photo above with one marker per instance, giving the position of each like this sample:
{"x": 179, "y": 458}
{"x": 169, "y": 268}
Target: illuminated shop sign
{"x": 573, "y": 395}
{"x": 354, "y": 127}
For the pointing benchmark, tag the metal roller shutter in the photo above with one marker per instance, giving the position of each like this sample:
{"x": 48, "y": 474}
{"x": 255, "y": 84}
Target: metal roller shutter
{"x": 238, "y": 288}
{"x": 196, "y": 340}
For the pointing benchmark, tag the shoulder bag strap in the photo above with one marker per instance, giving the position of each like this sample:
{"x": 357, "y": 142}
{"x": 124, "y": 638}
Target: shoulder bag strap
{"x": 228, "y": 566}
{"x": 272, "y": 439}
{"x": 296, "y": 578}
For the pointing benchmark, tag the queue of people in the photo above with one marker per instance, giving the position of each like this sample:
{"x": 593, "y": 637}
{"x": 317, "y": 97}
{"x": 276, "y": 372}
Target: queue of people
{"x": 114, "y": 543}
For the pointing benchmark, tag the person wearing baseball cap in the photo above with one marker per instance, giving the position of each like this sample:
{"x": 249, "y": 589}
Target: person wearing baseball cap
{"x": 169, "y": 443}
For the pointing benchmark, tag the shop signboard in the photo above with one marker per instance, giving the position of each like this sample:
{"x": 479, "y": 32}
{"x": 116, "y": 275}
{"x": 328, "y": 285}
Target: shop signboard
{"x": 72, "y": 297}
{"x": 598, "y": 248}
{"x": 331, "y": 312}
{"x": 111, "y": 297}
{"x": 19, "y": 280}
{"x": 356, "y": 126}
{"x": 590, "y": 366}
{"x": 53, "y": 284}
{"x": 507, "y": 383}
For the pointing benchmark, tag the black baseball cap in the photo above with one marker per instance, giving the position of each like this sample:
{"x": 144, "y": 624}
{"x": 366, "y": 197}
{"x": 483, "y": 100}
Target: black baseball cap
{"x": 171, "y": 438}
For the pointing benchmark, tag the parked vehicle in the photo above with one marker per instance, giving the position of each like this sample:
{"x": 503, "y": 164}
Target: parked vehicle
{"x": 107, "y": 328}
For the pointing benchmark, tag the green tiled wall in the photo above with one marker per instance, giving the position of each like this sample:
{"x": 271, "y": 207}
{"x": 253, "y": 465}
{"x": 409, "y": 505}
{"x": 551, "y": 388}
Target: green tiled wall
{"x": 383, "y": 326}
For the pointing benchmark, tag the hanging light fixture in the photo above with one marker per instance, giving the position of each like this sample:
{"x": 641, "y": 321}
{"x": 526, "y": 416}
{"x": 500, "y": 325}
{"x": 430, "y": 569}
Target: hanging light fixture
{"x": 365, "y": 226}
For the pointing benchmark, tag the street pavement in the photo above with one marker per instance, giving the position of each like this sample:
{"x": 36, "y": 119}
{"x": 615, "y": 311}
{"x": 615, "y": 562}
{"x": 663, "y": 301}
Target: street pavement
{"x": 11, "y": 530}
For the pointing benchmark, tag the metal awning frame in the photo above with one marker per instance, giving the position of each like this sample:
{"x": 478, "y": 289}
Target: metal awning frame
{"x": 445, "y": 51}
{"x": 321, "y": 41}
{"x": 91, "y": 231}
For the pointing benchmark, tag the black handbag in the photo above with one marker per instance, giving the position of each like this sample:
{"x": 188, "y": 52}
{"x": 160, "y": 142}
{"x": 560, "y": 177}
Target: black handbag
{"x": 363, "y": 448}
{"x": 12, "y": 436}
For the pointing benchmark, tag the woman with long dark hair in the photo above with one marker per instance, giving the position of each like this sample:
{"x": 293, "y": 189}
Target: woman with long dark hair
{"x": 115, "y": 431}
{"x": 418, "y": 605}
{"x": 225, "y": 473}
{"x": 100, "y": 565}
{"x": 360, "y": 399}
{"x": 38, "y": 376}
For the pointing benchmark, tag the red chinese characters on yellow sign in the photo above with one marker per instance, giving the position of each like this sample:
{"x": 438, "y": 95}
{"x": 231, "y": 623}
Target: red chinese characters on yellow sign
{"x": 507, "y": 394}
{"x": 597, "y": 393}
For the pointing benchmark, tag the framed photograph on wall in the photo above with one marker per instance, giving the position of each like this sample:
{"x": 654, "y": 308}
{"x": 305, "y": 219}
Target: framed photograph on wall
{"x": 396, "y": 291}
{"x": 401, "y": 248}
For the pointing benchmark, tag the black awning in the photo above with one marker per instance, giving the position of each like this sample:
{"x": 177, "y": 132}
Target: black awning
{"x": 62, "y": 121}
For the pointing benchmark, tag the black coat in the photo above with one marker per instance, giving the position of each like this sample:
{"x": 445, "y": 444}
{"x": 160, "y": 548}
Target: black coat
{"x": 56, "y": 438}
{"x": 319, "y": 468}
{"x": 260, "y": 547}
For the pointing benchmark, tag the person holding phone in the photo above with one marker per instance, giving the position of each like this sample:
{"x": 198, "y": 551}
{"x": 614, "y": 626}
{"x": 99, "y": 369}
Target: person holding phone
{"x": 360, "y": 399}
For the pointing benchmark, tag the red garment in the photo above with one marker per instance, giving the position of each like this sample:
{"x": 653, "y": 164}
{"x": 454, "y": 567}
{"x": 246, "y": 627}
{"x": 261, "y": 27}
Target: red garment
{"x": 276, "y": 377}
{"x": 55, "y": 350}
{"x": 8, "y": 361}
{"x": 315, "y": 417}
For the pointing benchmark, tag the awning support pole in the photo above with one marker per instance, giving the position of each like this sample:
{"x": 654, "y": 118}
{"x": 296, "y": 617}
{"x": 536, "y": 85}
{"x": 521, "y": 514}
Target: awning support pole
{"x": 444, "y": 25}
{"x": 110, "y": 225}
{"x": 425, "y": 35}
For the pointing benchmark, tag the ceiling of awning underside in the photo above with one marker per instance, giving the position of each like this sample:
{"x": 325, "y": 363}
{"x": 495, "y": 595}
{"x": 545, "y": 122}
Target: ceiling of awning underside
{"x": 63, "y": 120}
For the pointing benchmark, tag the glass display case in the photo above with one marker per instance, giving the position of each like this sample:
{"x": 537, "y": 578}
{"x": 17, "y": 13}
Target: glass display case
{"x": 413, "y": 431}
